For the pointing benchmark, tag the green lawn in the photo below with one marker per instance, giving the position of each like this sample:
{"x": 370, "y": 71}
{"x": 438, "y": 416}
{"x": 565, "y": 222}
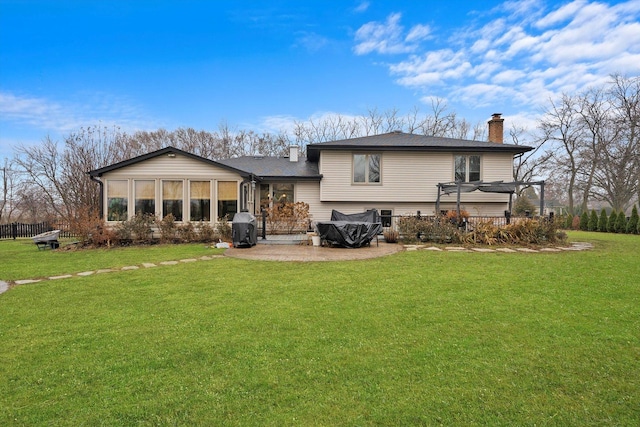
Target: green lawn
{"x": 416, "y": 338}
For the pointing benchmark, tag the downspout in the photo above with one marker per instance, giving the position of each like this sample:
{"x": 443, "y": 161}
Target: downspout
{"x": 101, "y": 204}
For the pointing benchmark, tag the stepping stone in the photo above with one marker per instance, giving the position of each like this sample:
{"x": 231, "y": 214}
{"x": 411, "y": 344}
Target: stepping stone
{"x": 169, "y": 262}
{"x": 455, "y": 248}
{"x": 4, "y": 286}
{"x": 188, "y": 260}
{"x": 483, "y": 250}
{"x": 130, "y": 267}
{"x": 86, "y": 273}
{"x": 105, "y": 270}
{"x": 432, "y": 248}
{"x": 527, "y": 250}
{"x": 205, "y": 258}
{"x": 506, "y": 250}
{"x": 27, "y": 281}
{"x": 65, "y": 276}
{"x": 411, "y": 248}
{"x": 148, "y": 265}
{"x": 550, "y": 250}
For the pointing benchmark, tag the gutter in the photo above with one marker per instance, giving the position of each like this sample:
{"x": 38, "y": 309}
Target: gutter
{"x": 94, "y": 179}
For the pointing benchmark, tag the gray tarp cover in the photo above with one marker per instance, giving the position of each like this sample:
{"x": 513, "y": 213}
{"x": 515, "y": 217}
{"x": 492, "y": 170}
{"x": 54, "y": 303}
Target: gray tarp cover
{"x": 350, "y": 230}
{"x": 244, "y": 230}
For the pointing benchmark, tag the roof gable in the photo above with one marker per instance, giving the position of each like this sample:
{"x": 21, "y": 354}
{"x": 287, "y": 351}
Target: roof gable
{"x": 163, "y": 152}
{"x": 399, "y": 141}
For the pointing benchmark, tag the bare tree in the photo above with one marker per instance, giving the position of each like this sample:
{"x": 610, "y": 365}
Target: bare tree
{"x": 560, "y": 126}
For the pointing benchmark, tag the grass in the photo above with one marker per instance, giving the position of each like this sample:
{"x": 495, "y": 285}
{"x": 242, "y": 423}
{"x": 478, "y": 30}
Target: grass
{"x": 417, "y": 338}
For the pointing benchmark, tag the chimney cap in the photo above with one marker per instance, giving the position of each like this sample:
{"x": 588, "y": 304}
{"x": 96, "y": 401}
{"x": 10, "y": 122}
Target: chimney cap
{"x": 496, "y": 115}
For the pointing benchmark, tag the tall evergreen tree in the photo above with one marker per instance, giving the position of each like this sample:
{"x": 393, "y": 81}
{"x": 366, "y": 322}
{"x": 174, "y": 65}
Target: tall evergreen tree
{"x": 611, "y": 224}
{"x": 584, "y": 221}
{"x": 621, "y": 223}
{"x": 602, "y": 223}
{"x": 568, "y": 223}
{"x": 632, "y": 226}
{"x": 592, "y": 225}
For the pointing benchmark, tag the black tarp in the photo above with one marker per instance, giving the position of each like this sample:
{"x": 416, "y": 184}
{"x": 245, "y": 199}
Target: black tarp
{"x": 350, "y": 230}
{"x": 244, "y": 230}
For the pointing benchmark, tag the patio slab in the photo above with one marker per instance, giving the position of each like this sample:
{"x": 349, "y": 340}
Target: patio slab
{"x": 311, "y": 253}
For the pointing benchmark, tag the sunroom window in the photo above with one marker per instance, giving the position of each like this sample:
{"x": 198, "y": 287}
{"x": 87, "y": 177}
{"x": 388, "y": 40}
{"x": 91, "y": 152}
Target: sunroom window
{"x": 145, "y": 194}
{"x": 172, "y": 194}
{"x": 366, "y": 168}
{"x": 117, "y": 200}
{"x": 227, "y": 199}
{"x": 200, "y": 200}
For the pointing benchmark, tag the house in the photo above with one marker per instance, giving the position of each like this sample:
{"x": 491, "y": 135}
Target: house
{"x": 396, "y": 173}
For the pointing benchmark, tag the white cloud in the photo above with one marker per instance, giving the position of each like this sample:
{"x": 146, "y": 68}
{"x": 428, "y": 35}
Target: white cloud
{"x": 388, "y": 37}
{"x": 523, "y": 53}
{"x": 64, "y": 117}
{"x": 362, "y": 7}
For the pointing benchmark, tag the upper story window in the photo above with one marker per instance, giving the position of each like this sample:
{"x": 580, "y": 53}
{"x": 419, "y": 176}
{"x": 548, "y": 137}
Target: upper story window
{"x": 467, "y": 168}
{"x": 366, "y": 168}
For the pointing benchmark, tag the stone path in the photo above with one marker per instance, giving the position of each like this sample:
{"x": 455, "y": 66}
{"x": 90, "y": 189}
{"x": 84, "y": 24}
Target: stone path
{"x": 4, "y": 286}
{"x": 307, "y": 254}
{"x": 575, "y": 246}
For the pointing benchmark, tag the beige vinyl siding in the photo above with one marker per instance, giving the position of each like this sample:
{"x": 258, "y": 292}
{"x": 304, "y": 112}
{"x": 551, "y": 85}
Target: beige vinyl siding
{"x": 178, "y": 167}
{"x": 406, "y": 177}
{"x": 409, "y": 183}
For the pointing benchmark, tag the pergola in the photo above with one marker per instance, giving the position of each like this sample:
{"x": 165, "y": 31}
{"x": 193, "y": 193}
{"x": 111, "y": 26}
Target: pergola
{"x": 459, "y": 187}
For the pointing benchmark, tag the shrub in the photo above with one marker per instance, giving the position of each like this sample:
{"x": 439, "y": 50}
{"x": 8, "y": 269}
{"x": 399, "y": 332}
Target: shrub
{"x": 632, "y": 225}
{"x": 223, "y": 228}
{"x": 592, "y": 225}
{"x": 621, "y": 223}
{"x": 439, "y": 229}
{"x": 206, "y": 232}
{"x": 584, "y": 221}
{"x": 602, "y": 222}
{"x": 575, "y": 225}
{"x": 167, "y": 227}
{"x": 611, "y": 224}
{"x": 186, "y": 233}
{"x": 287, "y": 217}
{"x": 90, "y": 229}
{"x": 136, "y": 229}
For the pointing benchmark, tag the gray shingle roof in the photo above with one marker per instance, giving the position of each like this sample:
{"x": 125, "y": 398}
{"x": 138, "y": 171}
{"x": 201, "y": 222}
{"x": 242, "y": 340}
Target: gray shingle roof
{"x": 398, "y": 141}
{"x": 275, "y": 167}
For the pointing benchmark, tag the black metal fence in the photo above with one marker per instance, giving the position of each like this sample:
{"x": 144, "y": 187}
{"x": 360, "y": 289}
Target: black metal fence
{"x": 18, "y": 229}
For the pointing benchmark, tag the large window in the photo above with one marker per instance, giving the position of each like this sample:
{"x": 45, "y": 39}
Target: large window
{"x": 227, "y": 199}
{"x": 145, "y": 197}
{"x": 200, "y": 194}
{"x": 282, "y": 193}
{"x": 366, "y": 168}
{"x": 117, "y": 200}
{"x": 172, "y": 195}
{"x": 467, "y": 168}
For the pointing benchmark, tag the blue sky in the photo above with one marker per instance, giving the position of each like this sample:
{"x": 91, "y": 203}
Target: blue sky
{"x": 264, "y": 64}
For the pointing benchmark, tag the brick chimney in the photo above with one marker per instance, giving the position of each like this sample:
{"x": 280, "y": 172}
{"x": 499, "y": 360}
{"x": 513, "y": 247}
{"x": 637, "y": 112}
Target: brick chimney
{"x": 496, "y": 128}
